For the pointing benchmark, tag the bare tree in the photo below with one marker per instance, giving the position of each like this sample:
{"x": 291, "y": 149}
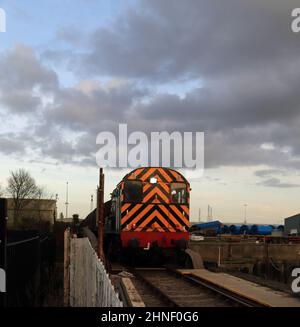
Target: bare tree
{"x": 21, "y": 186}
{"x": 43, "y": 193}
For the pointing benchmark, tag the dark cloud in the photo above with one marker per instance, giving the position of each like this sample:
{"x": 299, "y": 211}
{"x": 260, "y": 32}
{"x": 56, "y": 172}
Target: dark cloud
{"x": 163, "y": 40}
{"x": 243, "y": 53}
{"x": 19, "y": 101}
{"x": 10, "y": 145}
{"x": 276, "y": 182}
{"x": 268, "y": 172}
{"x": 88, "y": 105}
{"x": 269, "y": 179}
{"x": 22, "y": 76}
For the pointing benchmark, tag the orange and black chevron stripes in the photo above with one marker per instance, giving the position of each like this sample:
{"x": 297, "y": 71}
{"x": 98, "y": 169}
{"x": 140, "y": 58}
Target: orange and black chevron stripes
{"x": 156, "y": 192}
{"x": 170, "y": 216}
{"x": 185, "y": 208}
{"x": 155, "y": 226}
{"x": 125, "y": 206}
{"x": 142, "y": 216}
{"x": 141, "y": 213}
{"x": 176, "y": 175}
{"x": 165, "y": 175}
{"x": 175, "y": 210}
{"x": 135, "y": 173}
{"x": 157, "y": 217}
{"x": 130, "y": 213}
{"x": 156, "y": 211}
{"x": 146, "y": 186}
{"x": 166, "y": 187}
{"x": 146, "y": 174}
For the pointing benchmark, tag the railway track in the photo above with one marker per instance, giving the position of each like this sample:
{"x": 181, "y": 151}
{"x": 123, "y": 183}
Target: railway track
{"x": 162, "y": 287}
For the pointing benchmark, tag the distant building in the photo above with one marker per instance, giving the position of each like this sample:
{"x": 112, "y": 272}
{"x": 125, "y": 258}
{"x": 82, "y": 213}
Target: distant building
{"x": 292, "y": 225}
{"x": 66, "y": 220}
{"x": 35, "y": 214}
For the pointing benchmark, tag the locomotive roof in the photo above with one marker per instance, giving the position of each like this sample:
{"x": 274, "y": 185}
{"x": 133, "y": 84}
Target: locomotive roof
{"x": 162, "y": 173}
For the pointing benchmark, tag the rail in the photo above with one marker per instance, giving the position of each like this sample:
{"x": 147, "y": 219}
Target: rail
{"x": 171, "y": 287}
{"x": 22, "y": 242}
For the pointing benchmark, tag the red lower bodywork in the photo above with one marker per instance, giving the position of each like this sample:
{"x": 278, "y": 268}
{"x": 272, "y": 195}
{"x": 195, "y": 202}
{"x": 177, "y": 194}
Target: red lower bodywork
{"x": 162, "y": 239}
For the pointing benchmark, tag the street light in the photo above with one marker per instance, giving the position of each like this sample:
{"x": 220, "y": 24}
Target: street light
{"x": 245, "y": 217}
{"x": 67, "y": 199}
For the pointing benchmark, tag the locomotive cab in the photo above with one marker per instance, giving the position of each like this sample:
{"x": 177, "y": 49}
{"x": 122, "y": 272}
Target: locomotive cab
{"x": 150, "y": 211}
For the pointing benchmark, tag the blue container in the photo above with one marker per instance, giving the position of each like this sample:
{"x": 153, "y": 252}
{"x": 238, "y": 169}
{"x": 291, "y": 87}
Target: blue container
{"x": 280, "y": 228}
{"x": 261, "y": 230}
{"x": 235, "y": 229}
{"x": 225, "y": 229}
{"x": 209, "y": 225}
{"x": 245, "y": 229}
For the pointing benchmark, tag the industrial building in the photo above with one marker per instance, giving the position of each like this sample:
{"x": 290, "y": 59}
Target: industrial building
{"x": 292, "y": 225}
{"x": 34, "y": 213}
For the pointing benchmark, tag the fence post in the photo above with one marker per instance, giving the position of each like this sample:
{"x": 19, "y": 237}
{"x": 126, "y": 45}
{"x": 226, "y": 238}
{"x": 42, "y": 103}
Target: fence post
{"x": 100, "y": 215}
{"x": 67, "y": 267}
{"x": 37, "y": 279}
{"x": 3, "y": 223}
{"x": 89, "y": 283}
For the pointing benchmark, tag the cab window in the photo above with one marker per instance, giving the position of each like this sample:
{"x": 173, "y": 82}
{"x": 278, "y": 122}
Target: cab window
{"x": 133, "y": 191}
{"x": 178, "y": 193}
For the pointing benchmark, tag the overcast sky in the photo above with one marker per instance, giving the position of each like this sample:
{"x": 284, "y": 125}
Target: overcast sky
{"x": 231, "y": 69}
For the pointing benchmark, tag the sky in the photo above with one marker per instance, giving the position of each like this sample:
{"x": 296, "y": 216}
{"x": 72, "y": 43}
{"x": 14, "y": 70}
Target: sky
{"x": 230, "y": 69}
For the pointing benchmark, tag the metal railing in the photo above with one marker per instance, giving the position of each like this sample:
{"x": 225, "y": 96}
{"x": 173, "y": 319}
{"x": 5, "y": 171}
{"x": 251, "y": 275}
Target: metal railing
{"x": 25, "y": 268}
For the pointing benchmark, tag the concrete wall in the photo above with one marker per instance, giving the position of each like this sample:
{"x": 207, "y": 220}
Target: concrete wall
{"x": 246, "y": 251}
{"x": 90, "y": 285}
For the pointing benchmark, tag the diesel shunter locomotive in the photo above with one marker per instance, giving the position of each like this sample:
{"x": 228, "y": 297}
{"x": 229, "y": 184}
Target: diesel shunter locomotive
{"x": 149, "y": 213}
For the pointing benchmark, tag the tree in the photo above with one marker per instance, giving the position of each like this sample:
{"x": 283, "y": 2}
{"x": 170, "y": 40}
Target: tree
{"x": 21, "y": 186}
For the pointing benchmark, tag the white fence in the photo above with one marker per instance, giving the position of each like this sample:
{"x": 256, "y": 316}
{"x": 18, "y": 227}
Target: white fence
{"x": 89, "y": 283}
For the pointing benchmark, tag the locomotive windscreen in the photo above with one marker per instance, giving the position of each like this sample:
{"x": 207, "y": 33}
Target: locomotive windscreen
{"x": 133, "y": 191}
{"x": 178, "y": 193}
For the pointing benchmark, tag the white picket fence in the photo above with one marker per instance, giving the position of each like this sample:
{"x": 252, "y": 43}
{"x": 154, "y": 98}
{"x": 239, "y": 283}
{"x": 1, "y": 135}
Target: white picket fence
{"x": 90, "y": 285}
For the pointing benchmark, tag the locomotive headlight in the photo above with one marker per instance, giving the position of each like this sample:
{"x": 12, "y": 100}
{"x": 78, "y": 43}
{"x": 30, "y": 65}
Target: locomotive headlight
{"x": 153, "y": 180}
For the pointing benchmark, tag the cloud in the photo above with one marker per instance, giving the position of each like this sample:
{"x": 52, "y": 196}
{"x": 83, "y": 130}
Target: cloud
{"x": 275, "y": 182}
{"x": 156, "y": 41}
{"x": 21, "y": 75}
{"x": 268, "y": 172}
{"x": 243, "y": 53}
{"x": 10, "y": 145}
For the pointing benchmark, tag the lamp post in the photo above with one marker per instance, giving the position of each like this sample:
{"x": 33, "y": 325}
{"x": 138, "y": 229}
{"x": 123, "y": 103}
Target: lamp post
{"x": 67, "y": 199}
{"x": 92, "y": 202}
{"x": 100, "y": 215}
{"x": 245, "y": 214}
